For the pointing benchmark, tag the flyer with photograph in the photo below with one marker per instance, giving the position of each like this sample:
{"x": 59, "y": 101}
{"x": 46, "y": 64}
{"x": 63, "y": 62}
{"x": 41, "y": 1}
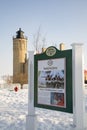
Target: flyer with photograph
{"x": 51, "y": 82}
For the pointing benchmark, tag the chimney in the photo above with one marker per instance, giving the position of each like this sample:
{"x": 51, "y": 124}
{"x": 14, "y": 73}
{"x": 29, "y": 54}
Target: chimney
{"x": 43, "y": 49}
{"x": 62, "y": 46}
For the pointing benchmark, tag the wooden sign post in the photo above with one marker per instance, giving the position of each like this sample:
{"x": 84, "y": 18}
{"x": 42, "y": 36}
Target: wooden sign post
{"x": 78, "y": 87}
{"x": 31, "y": 117}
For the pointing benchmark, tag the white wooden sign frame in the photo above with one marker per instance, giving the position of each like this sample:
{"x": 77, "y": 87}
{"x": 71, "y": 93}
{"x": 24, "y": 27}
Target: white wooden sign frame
{"x": 79, "y": 114}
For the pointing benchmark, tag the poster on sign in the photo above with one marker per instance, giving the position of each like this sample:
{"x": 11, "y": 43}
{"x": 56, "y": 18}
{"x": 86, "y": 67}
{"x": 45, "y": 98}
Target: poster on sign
{"x": 51, "y": 82}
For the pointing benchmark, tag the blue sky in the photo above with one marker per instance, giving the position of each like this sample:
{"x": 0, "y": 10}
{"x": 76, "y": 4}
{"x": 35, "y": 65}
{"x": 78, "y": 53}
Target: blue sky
{"x": 59, "y": 20}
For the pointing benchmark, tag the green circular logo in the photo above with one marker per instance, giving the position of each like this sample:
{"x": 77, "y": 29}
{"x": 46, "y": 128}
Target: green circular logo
{"x": 51, "y": 51}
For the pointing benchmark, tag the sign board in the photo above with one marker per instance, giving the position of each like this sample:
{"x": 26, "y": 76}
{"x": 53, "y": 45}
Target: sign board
{"x": 53, "y": 80}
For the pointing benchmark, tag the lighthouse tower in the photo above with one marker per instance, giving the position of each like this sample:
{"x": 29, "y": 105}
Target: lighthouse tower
{"x": 20, "y": 64}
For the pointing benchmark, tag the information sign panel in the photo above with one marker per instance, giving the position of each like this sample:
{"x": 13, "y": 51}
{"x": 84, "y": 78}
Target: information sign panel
{"x": 53, "y": 80}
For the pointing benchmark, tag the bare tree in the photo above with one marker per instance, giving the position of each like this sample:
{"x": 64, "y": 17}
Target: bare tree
{"x": 39, "y": 41}
{"x": 7, "y": 78}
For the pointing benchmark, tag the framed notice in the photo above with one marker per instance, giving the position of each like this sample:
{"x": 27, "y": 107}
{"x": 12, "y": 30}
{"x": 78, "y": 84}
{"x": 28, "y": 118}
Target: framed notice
{"x": 51, "y": 82}
{"x": 52, "y": 86}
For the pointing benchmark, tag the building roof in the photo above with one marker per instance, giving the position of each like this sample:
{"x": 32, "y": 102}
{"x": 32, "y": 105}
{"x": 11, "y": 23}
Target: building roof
{"x": 20, "y": 33}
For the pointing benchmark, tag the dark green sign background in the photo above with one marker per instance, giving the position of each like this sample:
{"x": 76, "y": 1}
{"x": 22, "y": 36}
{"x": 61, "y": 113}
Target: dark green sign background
{"x": 59, "y": 54}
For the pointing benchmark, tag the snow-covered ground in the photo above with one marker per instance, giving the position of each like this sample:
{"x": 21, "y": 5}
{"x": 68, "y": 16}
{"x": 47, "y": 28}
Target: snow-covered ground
{"x": 14, "y": 108}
